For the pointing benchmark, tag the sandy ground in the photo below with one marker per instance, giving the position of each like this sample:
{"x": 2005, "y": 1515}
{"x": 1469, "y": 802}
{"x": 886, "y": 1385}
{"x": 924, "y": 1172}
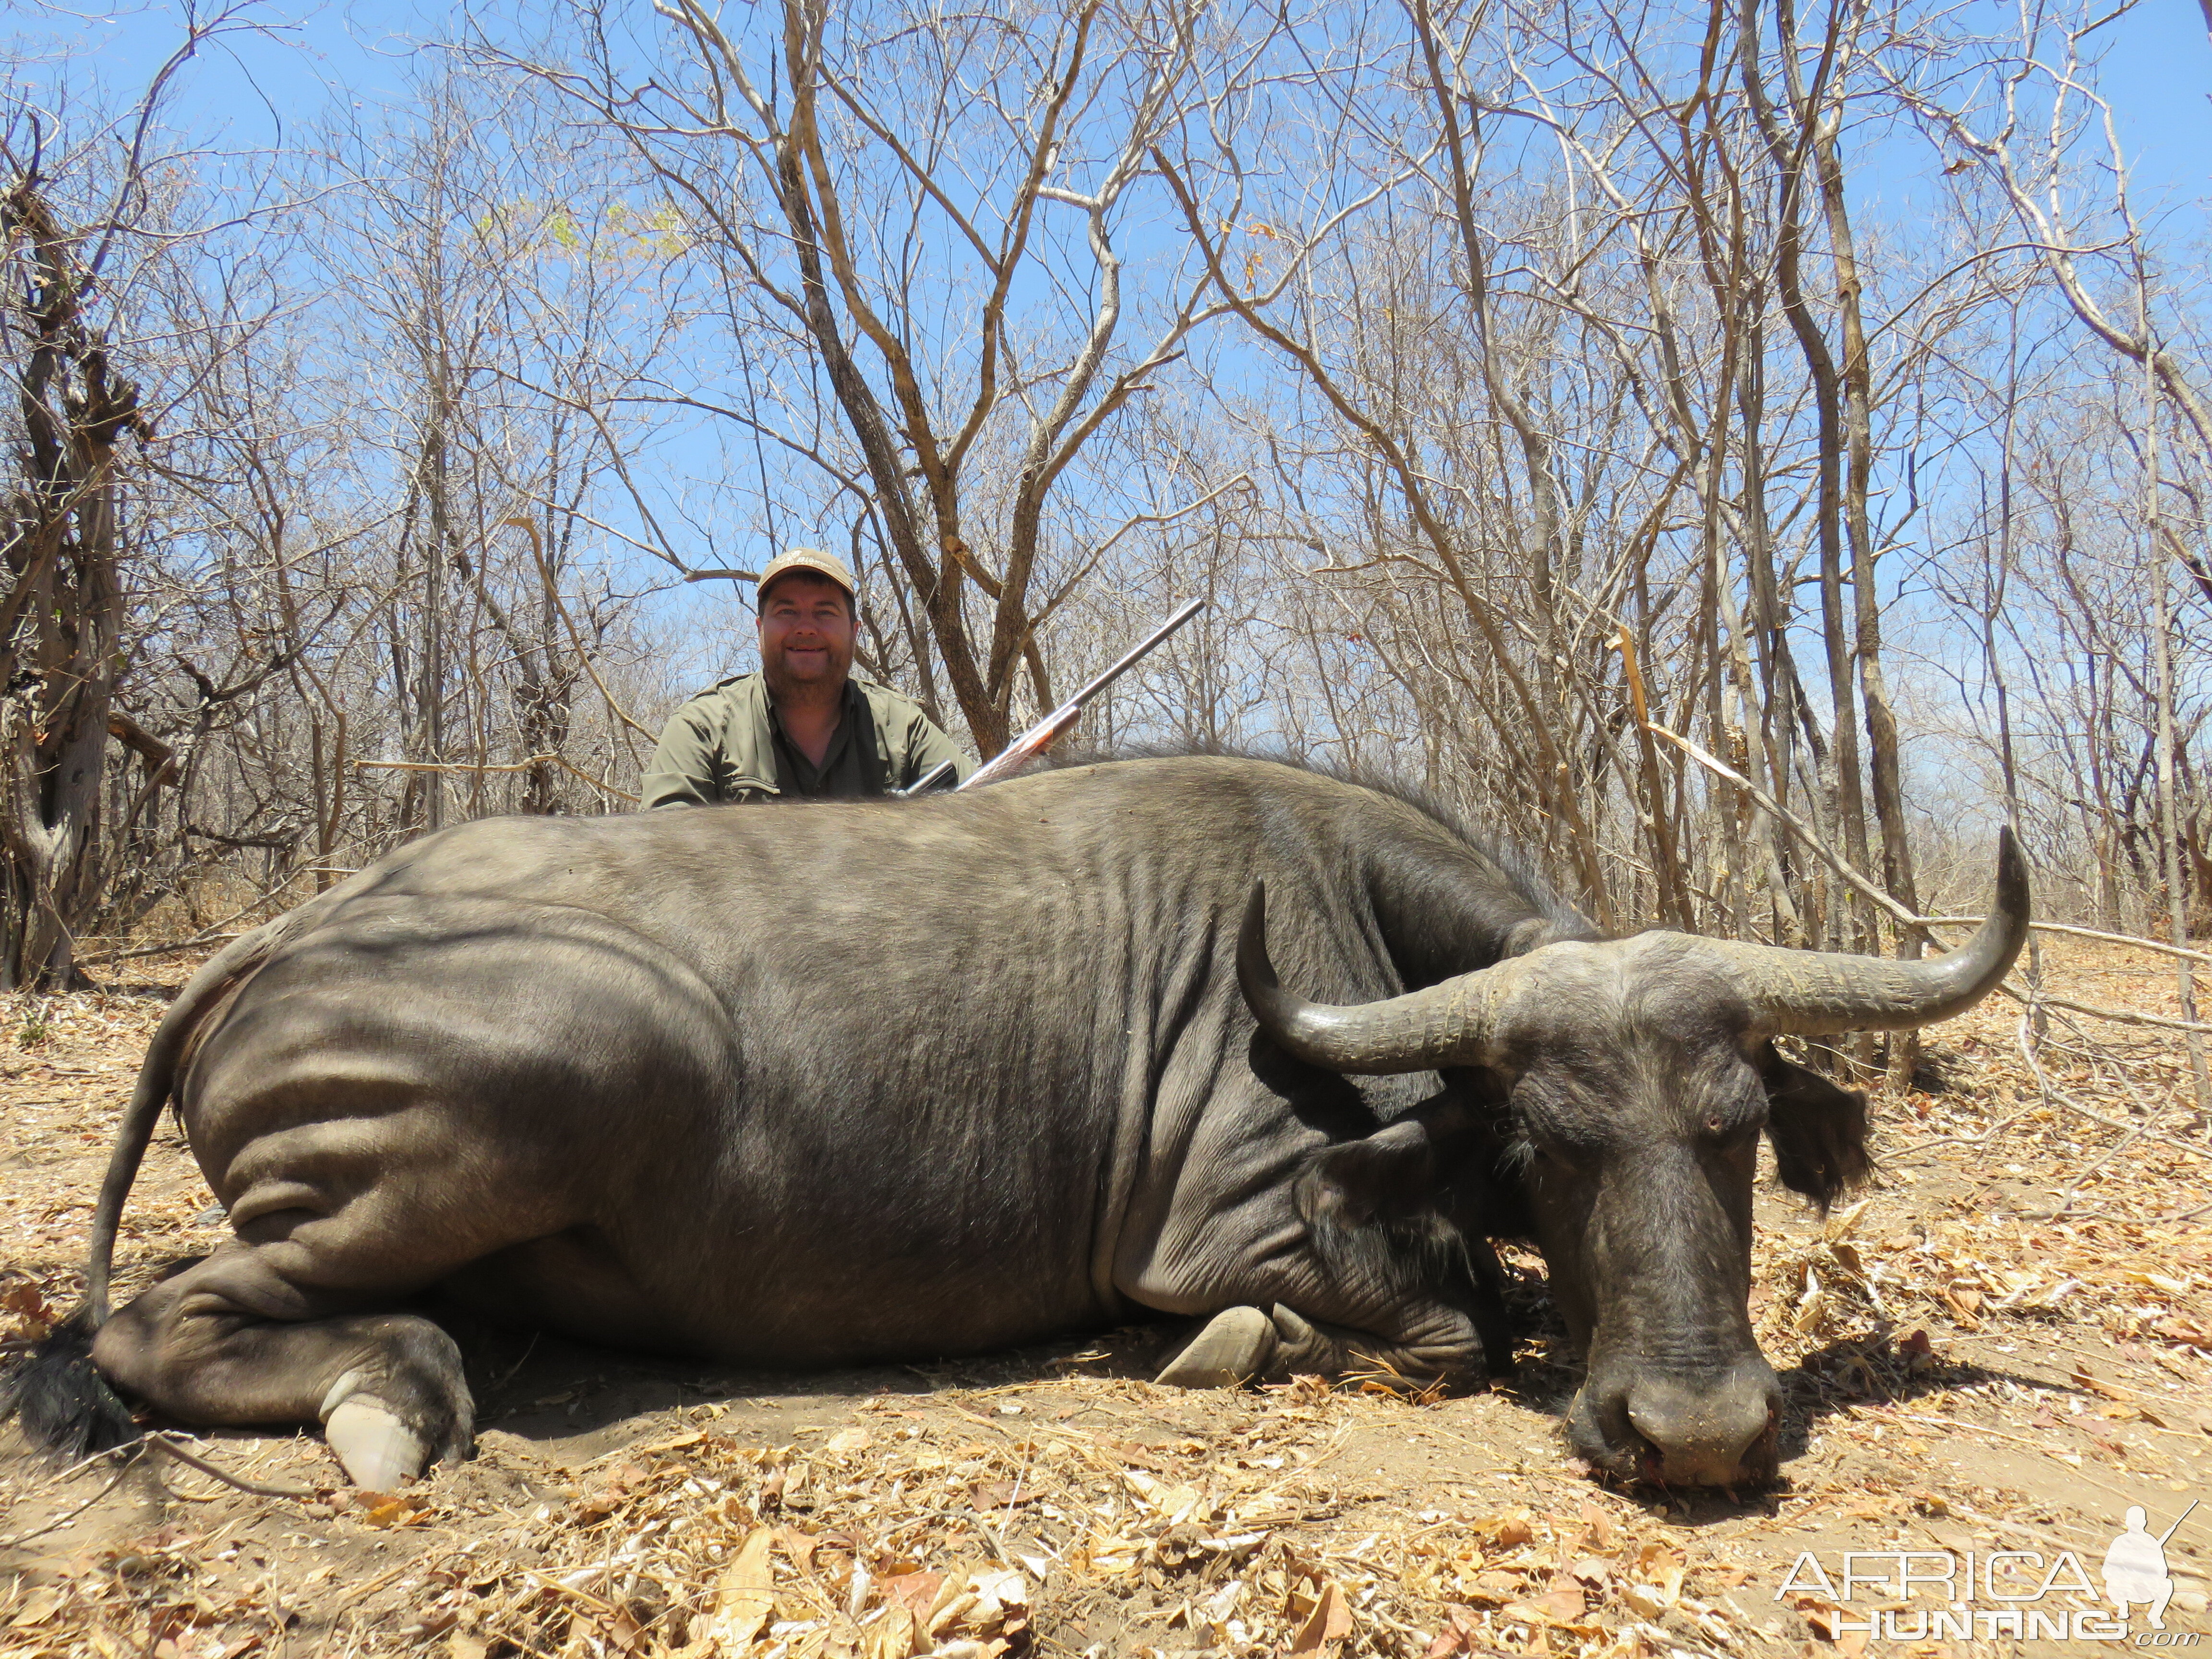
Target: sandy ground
{"x": 2005, "y": 1345}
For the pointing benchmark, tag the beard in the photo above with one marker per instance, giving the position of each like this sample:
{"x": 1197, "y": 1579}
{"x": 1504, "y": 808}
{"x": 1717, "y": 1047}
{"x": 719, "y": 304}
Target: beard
{"x": 819, "y": 690}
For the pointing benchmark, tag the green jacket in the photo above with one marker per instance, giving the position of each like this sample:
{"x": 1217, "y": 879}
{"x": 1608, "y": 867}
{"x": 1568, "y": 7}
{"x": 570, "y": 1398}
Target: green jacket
{"x": 723, "y": 746}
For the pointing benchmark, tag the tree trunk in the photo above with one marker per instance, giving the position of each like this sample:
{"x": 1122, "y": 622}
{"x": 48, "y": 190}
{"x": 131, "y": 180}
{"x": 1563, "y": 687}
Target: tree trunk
{"x": 1790, "y": 150}
{"x": 61, "y": 619}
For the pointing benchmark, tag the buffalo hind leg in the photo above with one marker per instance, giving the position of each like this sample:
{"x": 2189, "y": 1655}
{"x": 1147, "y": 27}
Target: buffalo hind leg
{"x": 233, "y": 1340}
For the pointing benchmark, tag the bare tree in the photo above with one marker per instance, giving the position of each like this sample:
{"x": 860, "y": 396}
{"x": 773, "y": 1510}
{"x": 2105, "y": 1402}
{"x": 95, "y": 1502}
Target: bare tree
{"x": 921, "y": 223}
{"x": 83, "y": 227}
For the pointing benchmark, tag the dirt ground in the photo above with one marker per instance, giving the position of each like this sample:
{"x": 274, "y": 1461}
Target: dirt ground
{"x": 2004, "y": 1346}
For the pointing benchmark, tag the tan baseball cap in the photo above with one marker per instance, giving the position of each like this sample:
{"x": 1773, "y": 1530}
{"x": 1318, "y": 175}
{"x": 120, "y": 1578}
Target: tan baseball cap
{"x": 813, "y": 560}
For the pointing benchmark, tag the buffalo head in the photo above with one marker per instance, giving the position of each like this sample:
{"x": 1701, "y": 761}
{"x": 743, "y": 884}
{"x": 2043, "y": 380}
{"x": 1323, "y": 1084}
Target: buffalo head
{"x": 1639, "y": 1075}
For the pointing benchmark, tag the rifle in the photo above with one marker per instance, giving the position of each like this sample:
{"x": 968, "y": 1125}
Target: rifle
{"x": 2176, "y": 1527}
{"x": 1041, "y": 736}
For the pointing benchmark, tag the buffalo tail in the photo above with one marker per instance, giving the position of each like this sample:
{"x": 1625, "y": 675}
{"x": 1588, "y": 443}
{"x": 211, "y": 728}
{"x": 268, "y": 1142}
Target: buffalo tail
{"x": 63, "y": 1403}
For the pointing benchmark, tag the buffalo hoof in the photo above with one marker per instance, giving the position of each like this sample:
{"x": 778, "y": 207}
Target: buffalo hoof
{"x": 379, "y": 1451}
{"x": 1236, "y": 1345}
{"x": 390, "y": 1427}
{"x": 1300, "y": 1350}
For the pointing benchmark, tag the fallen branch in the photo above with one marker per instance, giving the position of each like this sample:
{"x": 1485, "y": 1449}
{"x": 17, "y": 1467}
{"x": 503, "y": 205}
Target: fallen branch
{"x": 1783, "y": 815}
{"x": 191, "y": 944}
{"x": 2136, "y": 941}
{"x": 2051, "y": 1092}
{"x": 130, "y": 1453}
{"x": 1905, "y": 916}
{"x": 2116, "y": 1015}
{"x": 562, "y": 761}
{"x": 168, "y": 1447}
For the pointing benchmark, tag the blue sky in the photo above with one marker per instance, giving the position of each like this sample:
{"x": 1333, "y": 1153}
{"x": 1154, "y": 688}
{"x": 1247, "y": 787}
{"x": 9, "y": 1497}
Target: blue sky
{"x": 254, "y": 90}
{"x": 2158, "y": 71}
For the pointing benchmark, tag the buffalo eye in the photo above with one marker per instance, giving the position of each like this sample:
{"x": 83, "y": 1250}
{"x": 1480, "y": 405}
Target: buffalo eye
{"x": 1562, "y": 1156}
{"x": 1729, "y": 1135}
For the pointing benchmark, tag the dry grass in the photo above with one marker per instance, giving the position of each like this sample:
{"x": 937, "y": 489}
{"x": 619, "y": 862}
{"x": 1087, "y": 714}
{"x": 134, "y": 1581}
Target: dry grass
{"x": 2001, "y": 1346}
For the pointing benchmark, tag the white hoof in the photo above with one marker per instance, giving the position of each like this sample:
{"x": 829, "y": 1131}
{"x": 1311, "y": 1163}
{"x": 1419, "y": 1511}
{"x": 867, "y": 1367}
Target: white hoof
{"x": 377, "y": 1451}
{"x": 1235, "y": 1347}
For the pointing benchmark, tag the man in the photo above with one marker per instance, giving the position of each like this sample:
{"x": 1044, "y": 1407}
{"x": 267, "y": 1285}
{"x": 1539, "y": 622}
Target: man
{"x": 803, "y": 727}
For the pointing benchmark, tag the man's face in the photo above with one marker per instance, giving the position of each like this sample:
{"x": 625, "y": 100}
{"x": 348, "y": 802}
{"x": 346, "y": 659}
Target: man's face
{"x": 805, "y": 626}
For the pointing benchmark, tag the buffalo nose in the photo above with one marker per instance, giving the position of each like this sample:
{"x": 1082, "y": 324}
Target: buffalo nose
{"x": 1705, "y": 1429}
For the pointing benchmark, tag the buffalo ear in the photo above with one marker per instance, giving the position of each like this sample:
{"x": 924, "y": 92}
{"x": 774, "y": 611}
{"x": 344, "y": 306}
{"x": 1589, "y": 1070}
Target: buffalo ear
{"x": 1386, "y": 1176}
{"x": 1818, "y": 1131}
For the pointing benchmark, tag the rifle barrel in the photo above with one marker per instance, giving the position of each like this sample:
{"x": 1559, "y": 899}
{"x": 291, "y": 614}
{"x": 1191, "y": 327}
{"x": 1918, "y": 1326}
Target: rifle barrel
{"x": 1129, "y": 660}
{"x": 1033, "y": 741}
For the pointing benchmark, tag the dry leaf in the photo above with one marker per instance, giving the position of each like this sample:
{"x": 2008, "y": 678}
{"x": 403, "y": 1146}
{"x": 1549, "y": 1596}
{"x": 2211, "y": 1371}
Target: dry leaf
{"x": 745, "y": 1594}
{"x": 2157, "y": 1282}
{"x": 1462, "y": 1633}
{"x": 1842, "y": 1224}
{"x": 1600, "y": 1524}
{"x": 1505, "y": 1532}
{"x": 1559, "y": 1606}
{"x": 1825, "y": 1619}
{"x": 1002, "y": 1602}
{"x": 1171, "y": 1503}
{"x": 623, "y": 1631}
{"x": 897, "y": 1635}
{"x": 985, "y": 1606}
{"x": 2082, "y": 1378}
{"x": 1813, "y": 1310}
{"x": 915, "y": 1591}
{"x": 1642, "y": 1601}
{"x": 395, "y": 1510}
{"x": 1329, "y": 1621}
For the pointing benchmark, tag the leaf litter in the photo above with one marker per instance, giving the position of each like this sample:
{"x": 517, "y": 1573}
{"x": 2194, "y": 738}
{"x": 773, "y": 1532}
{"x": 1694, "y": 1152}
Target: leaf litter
{"x": 2006, "y": 1339}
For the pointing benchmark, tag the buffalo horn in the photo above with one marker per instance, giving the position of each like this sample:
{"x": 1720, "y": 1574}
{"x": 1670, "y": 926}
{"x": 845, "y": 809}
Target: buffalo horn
{"x": 1446, "y": 1025}
{"x": 1818, "y": 993}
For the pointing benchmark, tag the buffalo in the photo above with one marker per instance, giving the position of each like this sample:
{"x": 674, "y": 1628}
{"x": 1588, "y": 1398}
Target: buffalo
{"x": 819, "y": 1084}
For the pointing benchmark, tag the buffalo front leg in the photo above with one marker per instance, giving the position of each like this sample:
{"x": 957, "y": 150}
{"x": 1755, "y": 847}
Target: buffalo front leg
{"x": 1249, "y": 1344}
{"x": 231, "y": 1340}
{"x": 1237, "y": 1346}
{"x": 1341, "y": 1262}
